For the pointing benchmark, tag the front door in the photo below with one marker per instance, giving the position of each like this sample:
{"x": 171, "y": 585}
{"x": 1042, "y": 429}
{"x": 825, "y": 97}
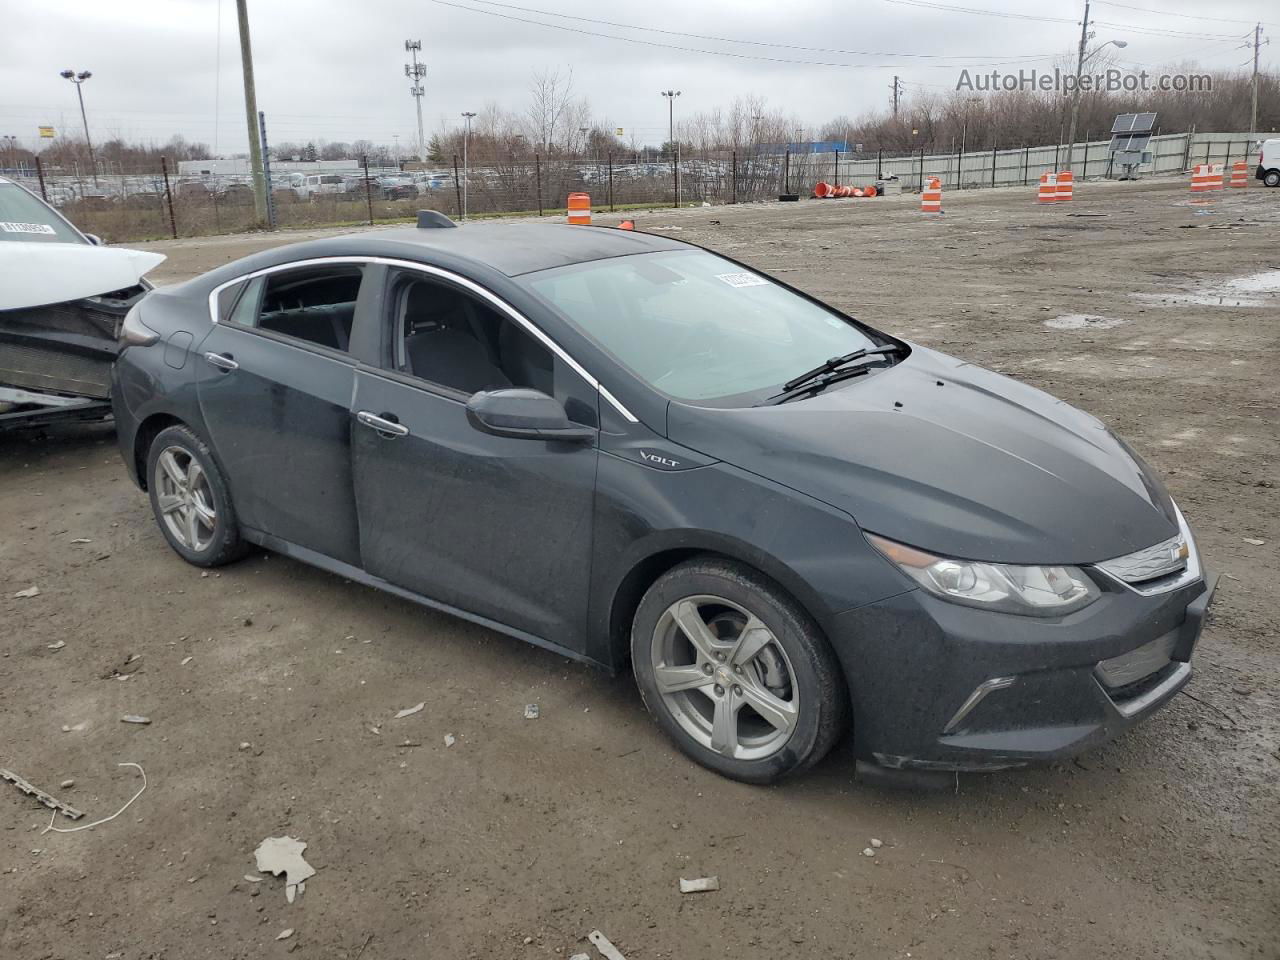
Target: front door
{"x": 275, "y": 383}
{"x": 495, "y": 526}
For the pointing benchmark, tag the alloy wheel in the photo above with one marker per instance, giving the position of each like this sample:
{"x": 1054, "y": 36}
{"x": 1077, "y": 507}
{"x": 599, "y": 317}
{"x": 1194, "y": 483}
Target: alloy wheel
{"x": 185, "y": 498}
{"x": 724, "y": 677}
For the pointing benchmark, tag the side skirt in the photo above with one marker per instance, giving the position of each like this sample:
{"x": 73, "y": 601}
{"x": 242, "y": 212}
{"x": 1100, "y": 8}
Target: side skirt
{"x": 355, "y": 574}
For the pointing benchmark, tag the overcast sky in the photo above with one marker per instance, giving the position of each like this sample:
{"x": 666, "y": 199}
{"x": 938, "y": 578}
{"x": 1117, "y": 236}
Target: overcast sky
{"x": 333, "y": 70}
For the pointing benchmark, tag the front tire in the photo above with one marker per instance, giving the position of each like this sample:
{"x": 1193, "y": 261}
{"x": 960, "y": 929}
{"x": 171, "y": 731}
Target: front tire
{"x": 1271, "y": 178}
{"x": 190, "y": 499}
{"x": 736, "y": 673}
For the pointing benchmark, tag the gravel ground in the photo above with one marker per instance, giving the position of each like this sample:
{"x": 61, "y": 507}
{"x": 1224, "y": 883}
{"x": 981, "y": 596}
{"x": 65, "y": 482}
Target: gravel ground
{"x": 271, "y": 687}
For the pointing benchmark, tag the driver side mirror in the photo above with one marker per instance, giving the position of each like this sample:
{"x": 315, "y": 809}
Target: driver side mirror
{"x": 524, "y": 414}
{"x": 94, "y": 239}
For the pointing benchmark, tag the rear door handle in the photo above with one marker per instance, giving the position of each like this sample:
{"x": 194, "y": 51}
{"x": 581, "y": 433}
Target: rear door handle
{"x": 385, "y": 427}
{"x": 222, "y": 361}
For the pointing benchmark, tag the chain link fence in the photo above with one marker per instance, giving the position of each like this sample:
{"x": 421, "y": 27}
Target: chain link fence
{"x": 124, "y": 206}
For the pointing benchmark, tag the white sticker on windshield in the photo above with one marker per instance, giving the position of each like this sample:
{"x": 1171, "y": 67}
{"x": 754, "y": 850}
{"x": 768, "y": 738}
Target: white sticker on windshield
{"x": 742, "y": 279}
{"x": 10, "y": 226}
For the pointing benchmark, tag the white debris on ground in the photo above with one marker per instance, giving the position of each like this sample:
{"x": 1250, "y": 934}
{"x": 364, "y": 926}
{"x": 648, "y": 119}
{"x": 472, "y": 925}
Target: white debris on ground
{"x": 700, "y": 885}
{"x": 531, "y": 711}
{"x": 410, "y": 711}
{"x": 135, "y": 718}
{"x": 605, "y": 946}
{"x": 868, "y": 852}
{"x": 450, "y": 739}
{"x": 27, "y": 594}
{"x": 1082, "y": 321}
{"x": 285, "y": 934}
{"x": 877, "y": 843}
{"x": 277, "y": 855}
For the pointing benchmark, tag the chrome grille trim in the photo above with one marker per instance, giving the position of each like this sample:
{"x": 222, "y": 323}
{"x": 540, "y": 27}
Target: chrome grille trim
{"x": 1143, "y": 572}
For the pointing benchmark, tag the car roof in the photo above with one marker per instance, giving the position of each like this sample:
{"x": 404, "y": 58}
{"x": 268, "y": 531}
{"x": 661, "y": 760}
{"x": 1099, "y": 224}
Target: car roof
{"x": 519, "y": 248}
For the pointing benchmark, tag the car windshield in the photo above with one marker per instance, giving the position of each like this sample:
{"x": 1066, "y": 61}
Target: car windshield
{"x": 23, "y": 216}
{"x": 695, "y": 326}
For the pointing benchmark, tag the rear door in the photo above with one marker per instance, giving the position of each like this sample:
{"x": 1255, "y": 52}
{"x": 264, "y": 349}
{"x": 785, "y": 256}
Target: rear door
{"x": 275, "y": 382}
{"x": 495, "y": 526}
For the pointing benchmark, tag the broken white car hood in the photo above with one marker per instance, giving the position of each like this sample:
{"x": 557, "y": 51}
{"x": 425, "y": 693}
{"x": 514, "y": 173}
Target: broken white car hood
{"x": 36, "y": 274}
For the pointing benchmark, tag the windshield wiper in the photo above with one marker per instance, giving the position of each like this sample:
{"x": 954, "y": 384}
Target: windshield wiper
{"x": 814, "y": 385}
{"x": 836, "y": 362}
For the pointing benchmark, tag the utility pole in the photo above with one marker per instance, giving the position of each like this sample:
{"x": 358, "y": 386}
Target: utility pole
{"x": 1075, "y": 93}
{"x": 671, "y": 141}
{"x": 466, "y": 139}
{"x": 415, "y": 71}
{"x": 1257, "y": 46}
{"x": 77, "y": 79}
{"x": 251, "y": 114}
{"x": 897, "y": 93}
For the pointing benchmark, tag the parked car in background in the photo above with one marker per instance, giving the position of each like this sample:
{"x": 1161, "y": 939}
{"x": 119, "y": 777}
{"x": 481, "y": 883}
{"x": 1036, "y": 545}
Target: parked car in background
{"x": 288, "y": 187}
{"x": 63, "y": 297}
{"x": 196, "y": 190}
{"x": 397, "y": 188}
{"x": 1268, "y": 170}
{"x": 316, "y": 186}
{"x": 625, "y": 448}
{"x": 235, "y": 193}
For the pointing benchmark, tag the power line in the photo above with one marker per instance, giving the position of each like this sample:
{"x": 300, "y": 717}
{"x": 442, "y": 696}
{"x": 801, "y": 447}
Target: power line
{"x": 1170, "y": 13}
{"x": 754, "y": 43}
{"x": 723, "y": 53}
{"x": 976, "y": 11}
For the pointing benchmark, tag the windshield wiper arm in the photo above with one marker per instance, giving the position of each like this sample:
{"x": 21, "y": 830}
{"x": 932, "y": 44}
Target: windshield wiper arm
{"x": 836, "y": 362}
{"x": 814, "y": 385}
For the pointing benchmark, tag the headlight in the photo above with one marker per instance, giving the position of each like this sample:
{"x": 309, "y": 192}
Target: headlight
{"x": 1048, "y": 591}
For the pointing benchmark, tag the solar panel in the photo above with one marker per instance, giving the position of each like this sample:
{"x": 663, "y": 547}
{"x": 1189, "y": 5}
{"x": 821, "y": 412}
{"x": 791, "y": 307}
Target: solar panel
{"x": 1130, "y": 141}
{"x": 1134, "y": 123}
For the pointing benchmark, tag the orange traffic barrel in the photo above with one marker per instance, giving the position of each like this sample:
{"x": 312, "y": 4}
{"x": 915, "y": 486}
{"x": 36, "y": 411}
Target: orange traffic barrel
{"x": 1206, "y": 177}
{"x": 931, "y": 196}
{"x": 1048, "y": 192}
{"x": 1066, "y": 179}
{"x": 822, "y": 189}
{"x": 580, "y": 208}
{"x": 1239, "y": 174}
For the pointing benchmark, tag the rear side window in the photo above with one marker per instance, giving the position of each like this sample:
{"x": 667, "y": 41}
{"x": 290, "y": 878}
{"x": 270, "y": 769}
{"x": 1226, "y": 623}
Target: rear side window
{"x": 315, "y": 305}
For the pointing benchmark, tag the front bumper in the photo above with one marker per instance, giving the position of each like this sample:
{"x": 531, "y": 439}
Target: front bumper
{"x": 940, "y": 686}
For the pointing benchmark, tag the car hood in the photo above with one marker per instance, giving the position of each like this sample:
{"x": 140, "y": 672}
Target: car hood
{"x": 37, "y": 274}
{"x": 949, "y": 457}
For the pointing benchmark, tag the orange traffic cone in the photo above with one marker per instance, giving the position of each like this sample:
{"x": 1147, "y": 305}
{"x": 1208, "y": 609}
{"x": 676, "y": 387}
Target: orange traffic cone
{"x": 627, "y": 225}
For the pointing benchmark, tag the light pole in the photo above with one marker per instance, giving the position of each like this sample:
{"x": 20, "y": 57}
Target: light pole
{"x": 466, "y": 138}
{"x": 671, "y": 141}
{"x": 1081, "y": 60}
{"x": 77, "y": 79}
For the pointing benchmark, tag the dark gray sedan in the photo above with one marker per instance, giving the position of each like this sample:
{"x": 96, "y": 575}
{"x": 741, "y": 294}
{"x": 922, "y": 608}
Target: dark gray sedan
{"x": 628, "y": 449}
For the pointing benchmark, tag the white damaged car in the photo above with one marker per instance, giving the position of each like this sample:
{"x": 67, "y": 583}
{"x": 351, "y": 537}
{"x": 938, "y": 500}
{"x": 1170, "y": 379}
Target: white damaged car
{"x": 63, "y": 297}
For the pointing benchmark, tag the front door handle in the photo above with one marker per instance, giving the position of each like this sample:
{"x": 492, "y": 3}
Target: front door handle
{"x": 222, "y": 361}
{"x": 385, "y": 427}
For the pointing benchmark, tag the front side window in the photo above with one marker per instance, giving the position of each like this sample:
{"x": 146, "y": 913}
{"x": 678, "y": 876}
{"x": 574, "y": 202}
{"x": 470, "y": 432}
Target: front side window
{"x": 316, "y": 305}
{"x": 694, "y": 326}
{"x": 452, "y": 339}
{"x": 23, "y": 216}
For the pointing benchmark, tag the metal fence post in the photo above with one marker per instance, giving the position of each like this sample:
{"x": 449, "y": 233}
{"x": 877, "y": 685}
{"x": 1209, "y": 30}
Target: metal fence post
{"x": 610, "y": 183}
{"x": 675, "y": 175}
{"x": 537, "y": 174}
{"x": 1206, "y": 150}
{"x": 457, "y": 184}
{"x": 921, "y": 184}
{"x": 1055, "y": 156}
{"x": 1026, "y": 160}
{"x": 168, "y": 197}
{"x": 368, "y": 193}
{"x": 993, "y": 165}
{"x": 40, "y": 173}
{"x": 266, "y": 170}
{"x": 836, "y": 182}
{"x": 786, "y": 171}
{"x": 733, "y": 177}
{"x": 1084, "y": 167}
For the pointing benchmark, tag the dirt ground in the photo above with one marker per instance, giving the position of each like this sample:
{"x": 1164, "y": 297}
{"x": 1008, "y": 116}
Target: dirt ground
{"x": 271, "y": 686}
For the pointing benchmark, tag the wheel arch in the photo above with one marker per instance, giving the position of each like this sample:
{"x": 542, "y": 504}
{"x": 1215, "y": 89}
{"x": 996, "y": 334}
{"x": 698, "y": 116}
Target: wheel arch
{"x": 643, "y": 571}
{"x": 143, "y": 437}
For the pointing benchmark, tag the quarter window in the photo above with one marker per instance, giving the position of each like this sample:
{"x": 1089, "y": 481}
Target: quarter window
{"x": 314, "y": 305}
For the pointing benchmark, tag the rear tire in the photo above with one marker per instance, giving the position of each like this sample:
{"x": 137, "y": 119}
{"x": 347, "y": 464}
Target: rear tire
{"x": 736, "y": 673}
{"x": 190, "y": 499}
{"x": 1271, "y": 178}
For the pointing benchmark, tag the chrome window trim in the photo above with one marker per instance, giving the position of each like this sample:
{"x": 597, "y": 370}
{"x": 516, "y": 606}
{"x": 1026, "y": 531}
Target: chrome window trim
{"x": 1190, "y": 574}
{"x": 452, "y": 277}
